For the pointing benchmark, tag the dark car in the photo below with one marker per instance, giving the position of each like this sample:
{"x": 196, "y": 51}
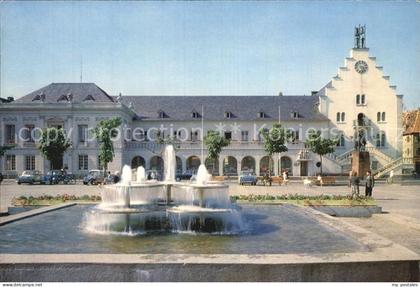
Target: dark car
{"x": 248, "y": 177}
{"x": 95, "y": 176}
{"x": 1, "y": 177}
{"x": 186, "y": 175}
{"x": 53, "y": 177}
{"x": 31, "y": 177}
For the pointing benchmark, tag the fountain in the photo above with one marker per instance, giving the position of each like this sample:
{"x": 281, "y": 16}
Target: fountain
{"x": 140, "y": 206}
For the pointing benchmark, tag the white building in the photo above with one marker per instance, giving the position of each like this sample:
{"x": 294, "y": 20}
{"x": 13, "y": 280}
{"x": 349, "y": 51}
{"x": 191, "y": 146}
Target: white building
{"x": 358, "y": 101}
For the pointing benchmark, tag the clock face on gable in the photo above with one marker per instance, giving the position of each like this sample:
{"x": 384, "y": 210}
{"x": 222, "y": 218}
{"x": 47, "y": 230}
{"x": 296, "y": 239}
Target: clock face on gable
{"x": 361, "y": 67}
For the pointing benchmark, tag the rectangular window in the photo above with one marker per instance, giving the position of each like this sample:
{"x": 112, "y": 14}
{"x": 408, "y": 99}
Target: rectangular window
{"x": 83, "y": 129}
{"x": 295, "y": 136}
{"x": 83, "y": 162}
{"x": 10, "y": 162}
{"x": 27, "y": 134}
{"x": 244, "y": 136}
{"x": 30, "y": 162}
{"x": 228, "y": 135}
{"x": 194, "y": 136}
{"x": 10, "y": 134}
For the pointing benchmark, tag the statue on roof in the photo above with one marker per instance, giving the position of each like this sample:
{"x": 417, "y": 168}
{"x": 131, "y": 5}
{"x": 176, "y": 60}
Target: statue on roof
{"x": 360, "y": 37}
{"x": 119, "y": 98}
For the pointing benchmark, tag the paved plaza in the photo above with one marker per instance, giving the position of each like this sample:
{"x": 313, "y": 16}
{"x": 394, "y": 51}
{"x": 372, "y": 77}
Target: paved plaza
{"x": 399, "y": 222}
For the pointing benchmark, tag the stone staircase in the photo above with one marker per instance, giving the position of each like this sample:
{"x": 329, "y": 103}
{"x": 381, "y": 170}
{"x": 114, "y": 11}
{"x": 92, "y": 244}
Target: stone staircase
{"x": 344, "y": 160}
{"x": 399, "y": 162}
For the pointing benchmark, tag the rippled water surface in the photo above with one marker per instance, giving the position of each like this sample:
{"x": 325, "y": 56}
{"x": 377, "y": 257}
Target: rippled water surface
{"x": 270, "y": 229}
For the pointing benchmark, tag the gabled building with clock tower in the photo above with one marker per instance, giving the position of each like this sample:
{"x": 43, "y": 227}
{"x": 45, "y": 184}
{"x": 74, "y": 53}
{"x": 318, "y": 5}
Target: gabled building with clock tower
{"x": 364, "y": 107}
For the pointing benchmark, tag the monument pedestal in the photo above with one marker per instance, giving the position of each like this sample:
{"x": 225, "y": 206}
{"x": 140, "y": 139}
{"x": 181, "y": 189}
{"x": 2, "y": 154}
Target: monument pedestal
{"x": 360, "y": 162}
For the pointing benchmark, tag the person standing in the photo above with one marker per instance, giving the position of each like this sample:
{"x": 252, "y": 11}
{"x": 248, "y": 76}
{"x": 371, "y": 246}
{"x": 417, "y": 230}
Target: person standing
{"x": 370, "y": 183}
{"x": 285, "y": 177}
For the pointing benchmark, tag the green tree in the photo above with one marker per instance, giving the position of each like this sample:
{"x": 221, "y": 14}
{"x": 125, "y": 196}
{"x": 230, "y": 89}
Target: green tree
{"x": 53, "y": 145}
{"x": 274, "y": 142}
{"x": 5, "y": 148}
{"x": 320, "y": 145}
{"x": 105, "y": 132}
{"x": 215, "y": 143}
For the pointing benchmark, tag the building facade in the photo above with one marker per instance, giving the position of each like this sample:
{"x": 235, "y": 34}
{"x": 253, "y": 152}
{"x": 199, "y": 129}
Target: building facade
{"x": 411, "y": 141}
{"x": 359, "y": 106}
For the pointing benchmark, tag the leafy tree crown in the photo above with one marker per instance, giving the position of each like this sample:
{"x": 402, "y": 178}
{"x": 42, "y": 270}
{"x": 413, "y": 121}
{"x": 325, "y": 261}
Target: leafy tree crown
{"x": 215, "y": 143}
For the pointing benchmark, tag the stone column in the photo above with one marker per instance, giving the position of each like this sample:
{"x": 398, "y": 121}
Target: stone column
{"x": 221, "y": 165}
{"x": 257, "y": 166}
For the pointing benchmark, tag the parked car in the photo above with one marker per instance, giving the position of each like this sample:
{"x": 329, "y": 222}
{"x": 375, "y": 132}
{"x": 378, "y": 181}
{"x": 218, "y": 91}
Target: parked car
{"x": 186, "y": 175}
{"x": 95, "y": 176}
{"x": 53, "y": 177}
{"x": 31, "y": 177}
{"x": 248, "y": 177}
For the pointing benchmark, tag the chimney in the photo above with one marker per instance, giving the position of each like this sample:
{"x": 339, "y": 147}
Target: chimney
{"x": 280, "y": 94}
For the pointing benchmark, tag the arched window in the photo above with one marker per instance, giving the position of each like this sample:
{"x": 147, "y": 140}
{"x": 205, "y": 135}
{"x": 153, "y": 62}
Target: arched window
{"x": 383, "y": 116}
{"x": 138, "y": 161}
{"x": 266, "y": 165}
{"x": 378, "y": 117}
{"x": 363, "y": 100}
{"x": 248, "y": 164}
{"x": 193, "y": 162}
{"x": 230, "y": 166}
{"x": 286, "y": 163}
{"x": 357, "y": 99}
{"x": 338, "y": 117}
{"x": 343, "y": 117}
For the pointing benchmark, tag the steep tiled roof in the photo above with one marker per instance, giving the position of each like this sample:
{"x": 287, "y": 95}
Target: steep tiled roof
{"x": 62, "y": 92}
{"x": 215, "y": 107}
{"x": 411, "y": 122}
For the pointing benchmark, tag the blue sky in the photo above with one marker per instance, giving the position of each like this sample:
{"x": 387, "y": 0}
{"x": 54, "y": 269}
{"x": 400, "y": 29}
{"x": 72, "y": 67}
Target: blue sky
{"x": 203, "y": 48}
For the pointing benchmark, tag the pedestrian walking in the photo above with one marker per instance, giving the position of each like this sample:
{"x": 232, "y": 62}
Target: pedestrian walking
{"x": 370, "y": 183}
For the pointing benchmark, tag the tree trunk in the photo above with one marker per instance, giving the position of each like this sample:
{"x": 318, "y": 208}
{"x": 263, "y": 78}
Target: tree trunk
{"x": 320, "y": 157}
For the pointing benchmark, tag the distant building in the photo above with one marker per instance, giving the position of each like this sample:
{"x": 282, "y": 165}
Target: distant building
{"x": 411, "y": 140}
{"x": 358, "y": 104}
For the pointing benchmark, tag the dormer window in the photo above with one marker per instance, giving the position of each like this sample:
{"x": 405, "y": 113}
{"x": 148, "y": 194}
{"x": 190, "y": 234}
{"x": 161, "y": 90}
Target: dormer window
{"x": 161, "y": 114}
{"x": 294, "y": 115}
{"x": 195, "y": 115}
{"x": 37, "y": 98}
{"x": 228, "y": 115}
{"x": 63, "y": 98}
{"x": 89, "y": 98}
{"x": 261, "y": 115}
